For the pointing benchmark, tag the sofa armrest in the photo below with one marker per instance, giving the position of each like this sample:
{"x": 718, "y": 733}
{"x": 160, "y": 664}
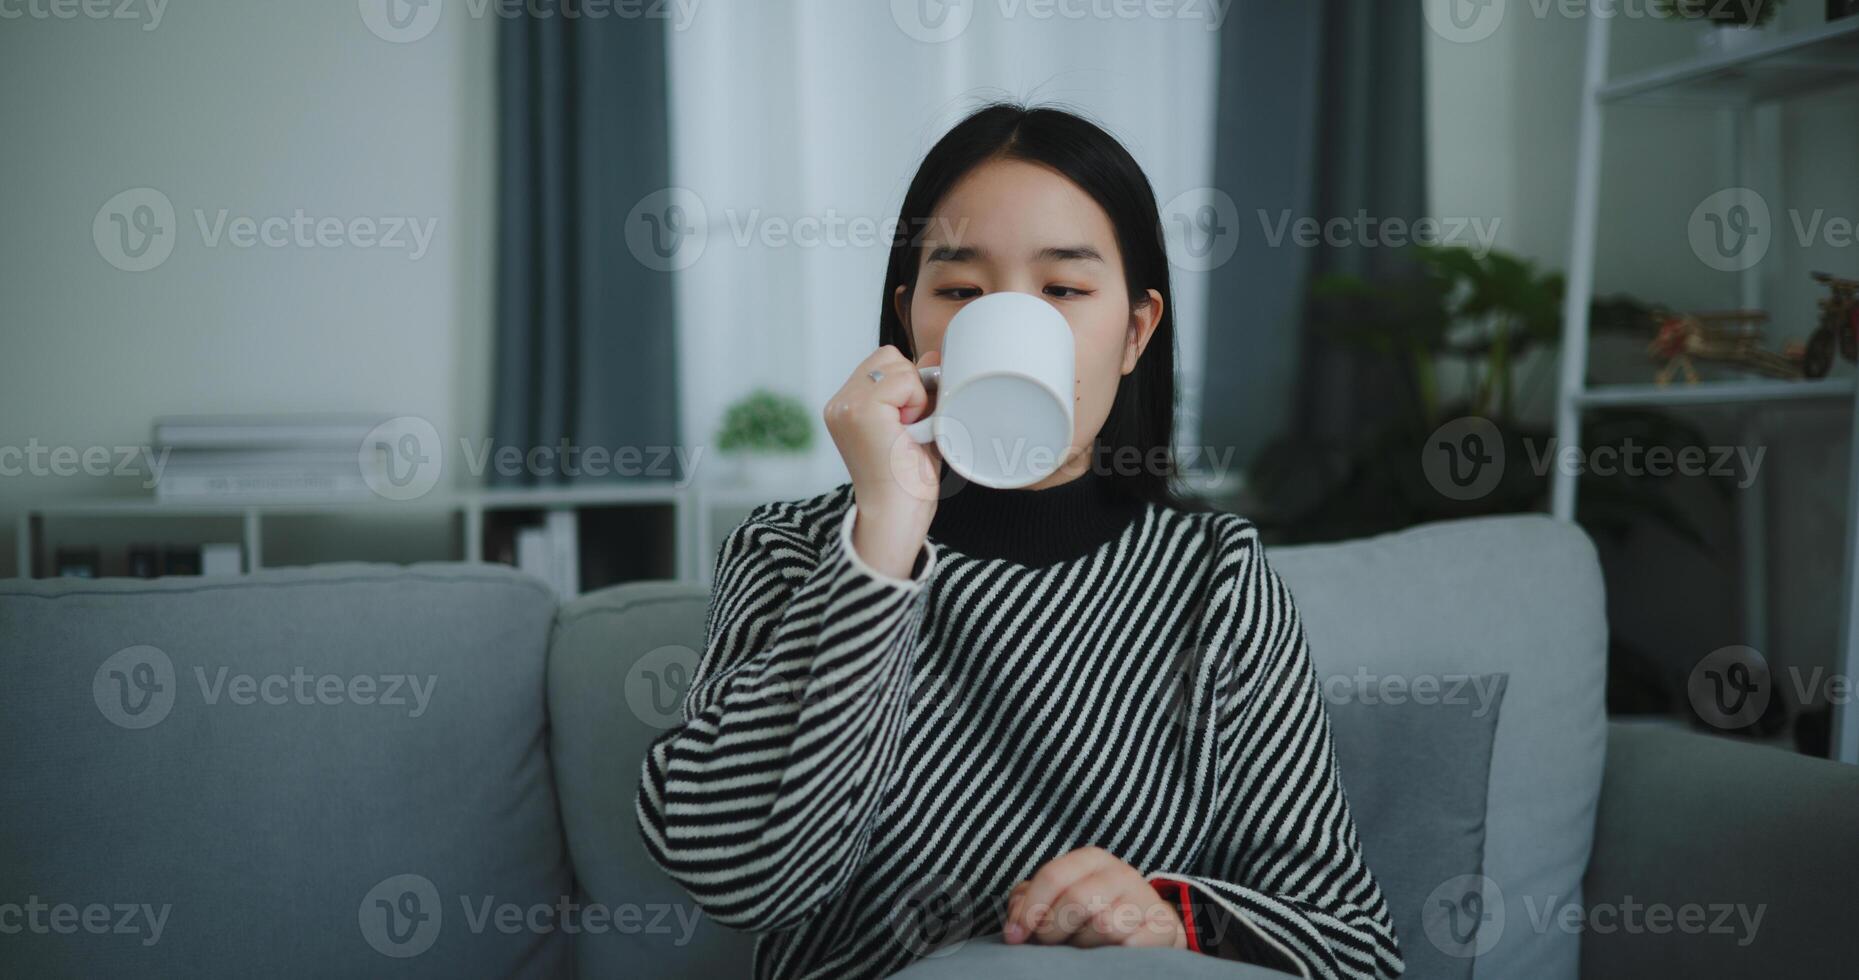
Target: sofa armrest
{"x": 1714, "y": 857}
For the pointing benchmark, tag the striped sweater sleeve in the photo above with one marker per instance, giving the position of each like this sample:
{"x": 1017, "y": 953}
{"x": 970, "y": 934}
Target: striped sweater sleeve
{"x": 1281, "y": 882}
{"x": 761, "y": 803}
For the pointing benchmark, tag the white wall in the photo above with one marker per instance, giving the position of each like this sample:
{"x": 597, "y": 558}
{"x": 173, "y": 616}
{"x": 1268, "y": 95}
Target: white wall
{"x": 261, "y": 109}
{"x": 813, "y": 110}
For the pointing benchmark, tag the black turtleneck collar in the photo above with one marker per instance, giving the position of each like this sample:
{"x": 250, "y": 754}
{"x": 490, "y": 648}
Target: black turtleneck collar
{"x": 1032, "y": 527}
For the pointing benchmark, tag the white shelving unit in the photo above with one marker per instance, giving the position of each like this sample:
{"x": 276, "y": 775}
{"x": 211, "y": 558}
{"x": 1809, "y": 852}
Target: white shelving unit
{"x": 691, "y": 507}
{"x": 702, "y": 513}
{"x": 1743, "y": 87}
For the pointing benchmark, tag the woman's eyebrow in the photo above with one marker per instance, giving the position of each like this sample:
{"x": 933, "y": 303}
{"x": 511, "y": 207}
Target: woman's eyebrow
{"x": 954, "y": 254}
{"x": 1068, "y": 253}
{"x": 1051, "y": 253}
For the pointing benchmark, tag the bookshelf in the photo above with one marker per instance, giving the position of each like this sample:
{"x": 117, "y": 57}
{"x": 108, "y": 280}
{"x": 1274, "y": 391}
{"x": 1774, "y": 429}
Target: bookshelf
{"x": 1744, "y": 89}
{"x": 622, "y": 532}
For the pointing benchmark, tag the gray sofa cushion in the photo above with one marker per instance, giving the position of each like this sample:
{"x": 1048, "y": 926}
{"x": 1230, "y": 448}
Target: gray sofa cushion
{"x": 1415, "y": 758}
{"x": 618, "y": 668}
{"x": 1519, "y": 596}
{"x": 244, "y": 759}
{"x": 1719, "y": 858}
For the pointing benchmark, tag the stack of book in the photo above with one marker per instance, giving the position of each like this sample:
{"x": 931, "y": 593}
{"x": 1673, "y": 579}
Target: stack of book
{"x": 264, "y": 457}
{"x": 551, "y": 552}
{"x": 152, "y": 560}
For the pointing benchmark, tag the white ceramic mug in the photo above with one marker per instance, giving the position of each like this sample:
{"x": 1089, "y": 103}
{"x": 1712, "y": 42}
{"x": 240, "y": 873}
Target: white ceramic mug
{"x": 1004, "y": 401}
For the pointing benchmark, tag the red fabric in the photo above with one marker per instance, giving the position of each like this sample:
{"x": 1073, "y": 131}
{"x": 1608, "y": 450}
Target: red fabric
{"x": 1177, "y": 893}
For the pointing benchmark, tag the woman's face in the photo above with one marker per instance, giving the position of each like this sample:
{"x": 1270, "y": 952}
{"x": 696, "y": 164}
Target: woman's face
{"x": 1015, "y": 226}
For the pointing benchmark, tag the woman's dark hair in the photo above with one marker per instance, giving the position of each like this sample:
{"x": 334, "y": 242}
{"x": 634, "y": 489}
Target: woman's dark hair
{"x": 1142, "y": 418}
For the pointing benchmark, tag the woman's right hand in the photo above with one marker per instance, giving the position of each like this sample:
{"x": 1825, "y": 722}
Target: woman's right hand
{"x": 895, "y": 479}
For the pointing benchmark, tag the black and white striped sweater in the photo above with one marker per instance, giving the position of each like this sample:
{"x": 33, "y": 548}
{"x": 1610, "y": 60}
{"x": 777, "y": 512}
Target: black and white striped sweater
{"x": 868, "y": 764}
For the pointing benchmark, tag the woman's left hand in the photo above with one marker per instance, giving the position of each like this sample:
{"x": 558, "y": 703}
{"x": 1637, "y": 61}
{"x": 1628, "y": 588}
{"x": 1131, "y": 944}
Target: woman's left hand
{"x": 1091, "y": 897}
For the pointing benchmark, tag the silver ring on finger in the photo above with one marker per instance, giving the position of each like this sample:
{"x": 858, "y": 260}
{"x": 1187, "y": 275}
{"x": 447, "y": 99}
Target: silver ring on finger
{"x": 875, "y": 374}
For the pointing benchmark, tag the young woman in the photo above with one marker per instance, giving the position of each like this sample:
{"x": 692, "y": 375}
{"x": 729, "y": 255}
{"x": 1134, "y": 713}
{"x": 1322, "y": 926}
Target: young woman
{"x": 1081, "y": 712}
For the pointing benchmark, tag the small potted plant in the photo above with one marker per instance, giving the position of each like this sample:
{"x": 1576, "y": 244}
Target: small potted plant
{"x": 1738, "y": 23}
{"x": 765, "y": 436}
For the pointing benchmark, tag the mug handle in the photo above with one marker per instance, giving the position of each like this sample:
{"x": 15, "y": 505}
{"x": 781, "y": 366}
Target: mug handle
{"x": 922, "y": 430}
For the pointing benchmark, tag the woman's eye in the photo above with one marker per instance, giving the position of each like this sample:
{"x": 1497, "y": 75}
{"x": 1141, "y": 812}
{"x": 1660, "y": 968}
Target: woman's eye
{"x": 1066, "y": 292}
{"x": 958, "y": 292}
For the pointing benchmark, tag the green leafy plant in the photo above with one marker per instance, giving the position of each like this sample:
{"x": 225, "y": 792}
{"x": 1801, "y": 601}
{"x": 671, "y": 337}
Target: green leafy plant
{"x": 765, "y": 421}
{"x": 1725, "y": 13}
{"x": 1472, "y": 317}
{"x": 1479, "y": 312}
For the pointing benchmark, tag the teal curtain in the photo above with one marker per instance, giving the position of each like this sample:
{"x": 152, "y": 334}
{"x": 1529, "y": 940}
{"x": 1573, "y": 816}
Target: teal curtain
{"x": 1320, "y": 113}
{"x": 585, "y": 342}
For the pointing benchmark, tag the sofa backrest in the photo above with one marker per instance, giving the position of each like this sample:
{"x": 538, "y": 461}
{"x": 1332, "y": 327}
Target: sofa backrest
{"x": 338, "y": 771}
{"x": 1519, "y": 596}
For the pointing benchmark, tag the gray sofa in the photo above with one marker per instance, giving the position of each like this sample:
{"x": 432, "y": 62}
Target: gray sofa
{"x": 429, "y": 771}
